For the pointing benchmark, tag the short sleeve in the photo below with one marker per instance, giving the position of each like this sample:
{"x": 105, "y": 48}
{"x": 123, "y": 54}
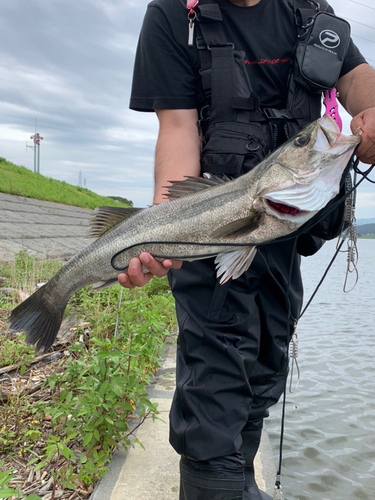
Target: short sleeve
{"x": 353, "y": 56}
{"x": 164, "y": 77}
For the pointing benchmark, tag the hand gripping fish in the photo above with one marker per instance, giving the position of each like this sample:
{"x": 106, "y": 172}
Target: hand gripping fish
{"x": 206, "y": 217}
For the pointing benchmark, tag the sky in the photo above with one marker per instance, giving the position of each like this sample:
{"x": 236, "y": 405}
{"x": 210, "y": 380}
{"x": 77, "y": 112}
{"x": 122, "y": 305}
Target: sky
{"x": 66, "y": 66}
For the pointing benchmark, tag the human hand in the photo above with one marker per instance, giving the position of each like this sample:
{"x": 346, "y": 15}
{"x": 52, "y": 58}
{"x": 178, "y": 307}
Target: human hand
{"x": 136, "y": 277}
{"x": 364, "y": 125}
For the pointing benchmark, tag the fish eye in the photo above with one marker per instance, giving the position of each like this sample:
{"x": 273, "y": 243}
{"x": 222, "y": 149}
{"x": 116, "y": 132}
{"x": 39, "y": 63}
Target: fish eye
{"x": 301, "y": 140}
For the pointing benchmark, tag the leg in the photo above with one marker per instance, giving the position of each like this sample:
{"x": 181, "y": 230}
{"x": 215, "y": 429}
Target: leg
{"x": 216, "y": 479}
{"x": 227, "y": 339}
{"x": 251, "y": 436}
{"x": 277, "y": 312}
{"x": 217, "y": 348}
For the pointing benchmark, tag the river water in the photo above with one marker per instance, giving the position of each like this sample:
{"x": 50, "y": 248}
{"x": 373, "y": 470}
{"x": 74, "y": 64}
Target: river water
{"x": 329, "y": 444}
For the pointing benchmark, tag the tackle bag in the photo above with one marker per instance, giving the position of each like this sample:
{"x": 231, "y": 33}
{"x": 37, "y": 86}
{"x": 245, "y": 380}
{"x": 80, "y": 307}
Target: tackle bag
{"x": 320, "y": 52}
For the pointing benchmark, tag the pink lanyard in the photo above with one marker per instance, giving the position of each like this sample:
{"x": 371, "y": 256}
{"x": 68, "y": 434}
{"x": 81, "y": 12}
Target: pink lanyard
{"x": 191, "y": 4}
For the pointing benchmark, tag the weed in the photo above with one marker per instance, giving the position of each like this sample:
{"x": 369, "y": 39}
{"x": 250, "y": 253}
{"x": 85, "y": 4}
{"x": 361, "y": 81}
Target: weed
{"x": 102, "y": 381}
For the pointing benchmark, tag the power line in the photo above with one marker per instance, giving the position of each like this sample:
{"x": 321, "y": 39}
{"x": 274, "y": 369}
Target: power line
{"x": 364, "y": 5}
{"x": 363, "y": 38}
{"x": 362, "y": 24}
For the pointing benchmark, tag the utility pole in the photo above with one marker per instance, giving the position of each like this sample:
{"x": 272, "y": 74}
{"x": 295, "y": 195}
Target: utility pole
{"x": 36, "y": 138}
{"x": 36, "y": 148}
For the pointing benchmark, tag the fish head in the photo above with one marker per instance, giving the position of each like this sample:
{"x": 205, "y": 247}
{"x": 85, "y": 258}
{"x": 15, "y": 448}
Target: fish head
{"x": 304, "y": 174}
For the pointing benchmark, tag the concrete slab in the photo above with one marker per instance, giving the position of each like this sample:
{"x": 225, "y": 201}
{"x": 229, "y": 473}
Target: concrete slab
{"x": 153, "y": 473}
{"x": 44, "y": 229}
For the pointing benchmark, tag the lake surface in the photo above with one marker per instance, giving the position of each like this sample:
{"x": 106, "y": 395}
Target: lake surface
{"x": 329, "y": 444}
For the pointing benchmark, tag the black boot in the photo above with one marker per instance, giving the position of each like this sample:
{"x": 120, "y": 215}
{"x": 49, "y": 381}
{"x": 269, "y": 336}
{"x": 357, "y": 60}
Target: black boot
{"x": 201, "y": 481}
{"x": 250, "y": 443}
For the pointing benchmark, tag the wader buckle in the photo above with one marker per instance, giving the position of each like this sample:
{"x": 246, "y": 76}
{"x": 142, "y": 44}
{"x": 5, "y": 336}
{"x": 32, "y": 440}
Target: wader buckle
{"x": 274, "y": 114}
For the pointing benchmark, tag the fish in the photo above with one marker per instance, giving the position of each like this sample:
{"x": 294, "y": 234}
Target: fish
{"x": 205, "y": 217}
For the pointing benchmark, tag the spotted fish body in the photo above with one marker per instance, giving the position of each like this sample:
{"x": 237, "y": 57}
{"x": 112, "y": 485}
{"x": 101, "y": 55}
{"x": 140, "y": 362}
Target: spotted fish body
{"x": 205, "y": 218}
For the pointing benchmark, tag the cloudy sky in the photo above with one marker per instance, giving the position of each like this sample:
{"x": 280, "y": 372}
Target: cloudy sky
{"x": 68, "y": 65}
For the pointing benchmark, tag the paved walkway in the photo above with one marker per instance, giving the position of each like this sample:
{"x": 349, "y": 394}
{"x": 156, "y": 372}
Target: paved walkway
{"x": 43, "y": 228}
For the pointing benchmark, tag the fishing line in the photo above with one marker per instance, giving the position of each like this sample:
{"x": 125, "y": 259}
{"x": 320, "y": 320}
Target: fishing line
{"x": 278, "y": 489}
{"x": 324, "y": 274}
{"x": 118, "y": 311}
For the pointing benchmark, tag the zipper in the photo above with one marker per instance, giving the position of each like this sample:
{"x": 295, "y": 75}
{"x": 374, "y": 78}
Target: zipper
{"x": 286, "y": 131}
{"x": 275, "y": 133}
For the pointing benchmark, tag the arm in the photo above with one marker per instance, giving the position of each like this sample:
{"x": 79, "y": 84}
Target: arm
{"x": 357, "y": 95}
{"x": 177, "y": 155}
{"x": 177, "y": 149}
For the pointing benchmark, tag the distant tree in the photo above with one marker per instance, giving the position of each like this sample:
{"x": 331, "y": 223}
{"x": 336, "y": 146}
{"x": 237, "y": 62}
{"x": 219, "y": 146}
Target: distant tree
{"x": 122, "y": 200}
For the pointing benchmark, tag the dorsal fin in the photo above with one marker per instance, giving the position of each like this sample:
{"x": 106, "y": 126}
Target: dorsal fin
{"x": 105, "y": 218}
{"x": 191, "y": 185}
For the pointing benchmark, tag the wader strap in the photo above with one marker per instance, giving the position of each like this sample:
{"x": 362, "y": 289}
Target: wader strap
{"x": 223, "y": 71}
{"x": 218, "y": 65}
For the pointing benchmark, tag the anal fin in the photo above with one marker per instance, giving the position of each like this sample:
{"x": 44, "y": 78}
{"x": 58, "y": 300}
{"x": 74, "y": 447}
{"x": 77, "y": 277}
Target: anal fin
{"x": 100, "y": 285}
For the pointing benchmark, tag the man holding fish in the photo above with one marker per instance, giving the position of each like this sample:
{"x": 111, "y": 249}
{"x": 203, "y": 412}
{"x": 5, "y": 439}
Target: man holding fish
{"x": 222, "y": 78}
{"x": 237, "y": 88}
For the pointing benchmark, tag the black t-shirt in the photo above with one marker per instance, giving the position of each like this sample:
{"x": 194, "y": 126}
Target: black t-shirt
{"x": 166, "y": 72}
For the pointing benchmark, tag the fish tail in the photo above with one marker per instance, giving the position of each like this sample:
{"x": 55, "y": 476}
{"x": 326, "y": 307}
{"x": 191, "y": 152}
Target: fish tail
{"x": 39, "y": 317}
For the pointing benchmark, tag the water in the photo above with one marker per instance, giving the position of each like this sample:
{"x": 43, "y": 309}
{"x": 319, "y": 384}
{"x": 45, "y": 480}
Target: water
{"x": 329, "y": 446}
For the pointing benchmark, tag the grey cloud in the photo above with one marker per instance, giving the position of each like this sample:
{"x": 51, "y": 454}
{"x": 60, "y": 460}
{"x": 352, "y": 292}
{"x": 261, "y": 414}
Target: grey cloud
{"x": 68, "y": 64}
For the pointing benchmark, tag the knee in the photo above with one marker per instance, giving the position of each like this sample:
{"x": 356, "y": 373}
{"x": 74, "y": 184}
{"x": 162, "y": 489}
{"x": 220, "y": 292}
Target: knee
{"x": 228, "y": 467}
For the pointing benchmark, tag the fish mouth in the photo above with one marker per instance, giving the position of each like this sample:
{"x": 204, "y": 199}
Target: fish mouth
{"x": 283, "y": 211}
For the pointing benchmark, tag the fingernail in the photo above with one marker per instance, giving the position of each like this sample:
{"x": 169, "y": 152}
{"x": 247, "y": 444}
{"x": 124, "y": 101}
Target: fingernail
{"x": 122, "y": 279}
{"x": 145, "y": 259}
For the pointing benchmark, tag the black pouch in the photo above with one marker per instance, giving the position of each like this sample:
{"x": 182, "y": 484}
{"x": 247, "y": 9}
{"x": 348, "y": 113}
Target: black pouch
{"x": 321, "y": 51}
{"x": 234, "y": 148}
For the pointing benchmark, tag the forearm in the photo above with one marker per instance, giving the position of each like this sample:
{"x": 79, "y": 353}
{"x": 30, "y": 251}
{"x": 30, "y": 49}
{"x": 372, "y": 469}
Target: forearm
{"x": 177, "y": 150}
{"x": 357, "y": 89}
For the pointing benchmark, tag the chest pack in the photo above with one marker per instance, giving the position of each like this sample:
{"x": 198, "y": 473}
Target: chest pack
{"x": 322, "y": 45}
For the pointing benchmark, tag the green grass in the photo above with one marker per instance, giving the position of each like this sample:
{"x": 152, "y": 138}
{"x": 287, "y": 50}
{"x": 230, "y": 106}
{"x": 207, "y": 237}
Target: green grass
{"x": 99, "y": 382}
{"x": 23, "y": 182}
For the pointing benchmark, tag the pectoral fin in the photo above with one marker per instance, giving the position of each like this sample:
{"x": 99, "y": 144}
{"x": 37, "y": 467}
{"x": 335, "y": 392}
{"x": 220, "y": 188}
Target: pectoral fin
{"x": 239, "y": 227}
{"x": 233, "y": 264}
